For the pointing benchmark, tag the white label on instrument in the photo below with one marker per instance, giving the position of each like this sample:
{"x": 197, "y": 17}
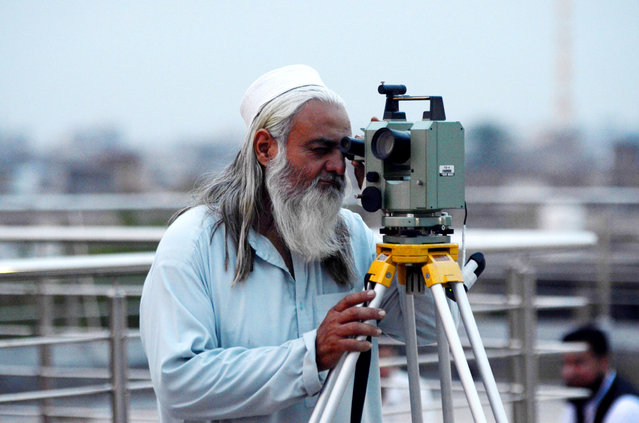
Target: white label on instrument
{"x": 446, "y": 170}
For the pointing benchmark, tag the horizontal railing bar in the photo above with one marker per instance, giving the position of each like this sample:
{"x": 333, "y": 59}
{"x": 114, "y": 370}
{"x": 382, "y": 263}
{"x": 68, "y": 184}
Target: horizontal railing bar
{"x": 601, "y": 195}
{"x": 82, "y": 234}
{"x": 48, "y": 340}
{"x": 161, "y": 201}
{"x": 70, "y": 392}
{"x": 495, "y": 348}
{"x": 62, "y": 289}
{"x": 140, "y": 385}
{"x": 81, "y": 265}
{"x": 69, "y": 372}
{"x": 77, "y": 413}
{"x": 524, "y": 240}
{"x": 62, "y": 339}
{"x": 29, "y": 330}
{"x": 172, "y": 201}
{"x": 17, "y": 330}
{"x": 509, "y": 394}
{"x": 56, "y": 393}
{"x": 27, "y": 311}
{"x": 495, "y": 302}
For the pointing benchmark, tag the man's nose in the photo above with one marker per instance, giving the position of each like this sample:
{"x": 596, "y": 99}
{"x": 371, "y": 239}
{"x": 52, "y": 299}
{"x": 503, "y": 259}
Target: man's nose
{"x": 336, "y": 163}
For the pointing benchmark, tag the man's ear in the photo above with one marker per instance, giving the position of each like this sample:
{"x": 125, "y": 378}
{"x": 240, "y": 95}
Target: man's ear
{"x": 265, "y": 146}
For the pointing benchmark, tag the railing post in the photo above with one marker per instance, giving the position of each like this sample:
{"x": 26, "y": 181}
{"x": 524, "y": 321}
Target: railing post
{"x": 44, "y": 304}
{"x": 523, "y": 331}
{"x": 119, "y": 363}
{"x": 603, "y": 290}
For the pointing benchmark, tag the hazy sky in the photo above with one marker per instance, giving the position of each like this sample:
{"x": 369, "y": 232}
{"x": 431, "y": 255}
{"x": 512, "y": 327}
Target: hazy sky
{"x": 161, "y": 70}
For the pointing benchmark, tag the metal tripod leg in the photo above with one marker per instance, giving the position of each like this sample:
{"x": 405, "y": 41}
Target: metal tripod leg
{"x": 338, "y": 378}
{"x": 480, "y": 353}
{"x": 458, "y": 353}
{"x": 329, "y": 385}
{"x": 411, "y": 359}
{"x": 445, "y": 374}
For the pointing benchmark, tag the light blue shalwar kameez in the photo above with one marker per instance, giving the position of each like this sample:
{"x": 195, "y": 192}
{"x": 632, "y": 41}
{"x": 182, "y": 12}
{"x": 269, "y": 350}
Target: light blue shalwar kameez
{"x": 246, "y": 353}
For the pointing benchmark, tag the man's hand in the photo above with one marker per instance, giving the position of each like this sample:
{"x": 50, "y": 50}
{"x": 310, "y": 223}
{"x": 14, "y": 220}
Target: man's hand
{"x": 342, "y": 324}
{"x": 358, "y": 167}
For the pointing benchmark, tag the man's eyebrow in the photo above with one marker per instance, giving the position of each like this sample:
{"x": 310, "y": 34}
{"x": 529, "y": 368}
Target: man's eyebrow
{"x": 322, "y": 141}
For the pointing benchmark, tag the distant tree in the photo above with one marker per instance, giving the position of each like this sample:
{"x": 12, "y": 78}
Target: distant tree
{"x": 489, "y": 149}
{"x": 16, "y": 150}
{"x": 625, "y": 168}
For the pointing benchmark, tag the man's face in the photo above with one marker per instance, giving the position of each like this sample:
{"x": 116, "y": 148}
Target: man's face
{"x": 582, "y": 369}
{"x": 313, "y": 143}
{"x": 306, "y": 185}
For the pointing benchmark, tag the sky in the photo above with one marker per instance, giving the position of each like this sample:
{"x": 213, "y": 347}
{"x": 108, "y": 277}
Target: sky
{"x": 164, "y": 70}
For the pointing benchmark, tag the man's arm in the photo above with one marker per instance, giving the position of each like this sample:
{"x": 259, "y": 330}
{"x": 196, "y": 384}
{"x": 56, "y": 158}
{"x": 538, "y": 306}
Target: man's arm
{"x": 196, "y": 379}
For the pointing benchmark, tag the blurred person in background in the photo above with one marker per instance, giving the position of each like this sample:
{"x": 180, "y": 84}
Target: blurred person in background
{"x": 612, "y": 399}
{"x": 253, "y": 293}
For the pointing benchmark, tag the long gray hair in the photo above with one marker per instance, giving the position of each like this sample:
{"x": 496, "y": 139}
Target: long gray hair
{"x": 237, "y": 193}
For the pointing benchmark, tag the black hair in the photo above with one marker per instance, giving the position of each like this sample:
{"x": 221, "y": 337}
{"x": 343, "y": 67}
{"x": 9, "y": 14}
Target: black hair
{"x": 595, "y": 338}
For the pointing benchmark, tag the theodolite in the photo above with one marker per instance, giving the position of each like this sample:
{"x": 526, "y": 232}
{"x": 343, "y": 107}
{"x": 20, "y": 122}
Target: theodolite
{"x": 414, "y": 171}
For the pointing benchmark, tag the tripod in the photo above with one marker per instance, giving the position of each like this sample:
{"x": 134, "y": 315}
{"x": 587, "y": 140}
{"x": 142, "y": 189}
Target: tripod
{"x": 432, "y": 265}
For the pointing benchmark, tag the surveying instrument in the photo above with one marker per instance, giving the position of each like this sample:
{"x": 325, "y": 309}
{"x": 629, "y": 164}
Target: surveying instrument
{"x": 414, "y": 171}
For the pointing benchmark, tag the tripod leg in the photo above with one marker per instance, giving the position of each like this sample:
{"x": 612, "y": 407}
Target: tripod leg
{"x": 411, "y": 359}
{"x": 445, "y": 376}
{"x": 458, "y": 353}
{"x": 329, "y": 385}
{"x": 480, "y": 353}
{"x": 325, "y": 410}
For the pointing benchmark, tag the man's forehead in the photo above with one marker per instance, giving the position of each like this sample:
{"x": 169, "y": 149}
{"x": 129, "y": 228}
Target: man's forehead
{"x": 316, "y": 105}
{"x": 319, "y": 113}
{"x": 580, "y": 356}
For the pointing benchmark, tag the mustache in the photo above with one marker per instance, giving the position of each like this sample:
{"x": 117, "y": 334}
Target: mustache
{"x": 337, "y": 181}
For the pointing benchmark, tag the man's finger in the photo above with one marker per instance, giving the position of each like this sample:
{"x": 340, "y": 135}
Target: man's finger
{"x": 355, "y": 314}
{"x": 355, "y": 329}
{"x": 350, "y": 344}
{"x": 352, "y": 300}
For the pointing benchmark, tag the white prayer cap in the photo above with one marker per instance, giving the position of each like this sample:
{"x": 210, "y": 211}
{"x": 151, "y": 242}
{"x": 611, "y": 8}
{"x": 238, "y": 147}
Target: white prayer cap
{"x": 273, "y": 84}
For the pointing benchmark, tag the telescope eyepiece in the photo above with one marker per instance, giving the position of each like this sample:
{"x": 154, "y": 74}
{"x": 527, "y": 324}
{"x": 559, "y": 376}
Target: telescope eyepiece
{"x": 351, "y": 147}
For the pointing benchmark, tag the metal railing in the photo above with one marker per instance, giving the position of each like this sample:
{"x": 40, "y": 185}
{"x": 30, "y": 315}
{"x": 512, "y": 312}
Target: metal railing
{"x": 42, "y": 282}
{"x": 45, "y": 279}
{"x": 521, "y": 349}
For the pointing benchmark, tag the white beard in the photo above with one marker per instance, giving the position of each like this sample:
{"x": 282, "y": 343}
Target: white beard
{"x": 308, "y": 218}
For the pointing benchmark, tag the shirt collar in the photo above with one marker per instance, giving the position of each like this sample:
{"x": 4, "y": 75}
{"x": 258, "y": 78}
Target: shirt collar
{"x": 265, "y": 249}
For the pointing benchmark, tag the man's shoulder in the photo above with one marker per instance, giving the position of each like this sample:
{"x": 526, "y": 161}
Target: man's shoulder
{"x": 188, "y": 228}
{"x": 353, "y": 220}
{"x": 363, "y": 239}
{"x": 625, "y": 409}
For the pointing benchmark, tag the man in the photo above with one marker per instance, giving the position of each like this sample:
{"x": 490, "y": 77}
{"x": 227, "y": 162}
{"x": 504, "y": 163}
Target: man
{"x": 253, "y": 293}
{"x": 612, "y": 399}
